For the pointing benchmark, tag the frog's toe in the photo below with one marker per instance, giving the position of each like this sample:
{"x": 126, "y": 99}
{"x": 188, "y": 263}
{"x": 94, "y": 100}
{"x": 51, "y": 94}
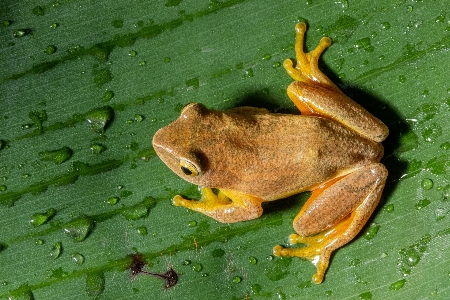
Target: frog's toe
{"x": 178, "y": 200}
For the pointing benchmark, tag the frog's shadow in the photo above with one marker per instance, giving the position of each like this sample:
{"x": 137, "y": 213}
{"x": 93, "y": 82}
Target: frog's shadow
{"x": 376, "y": 106}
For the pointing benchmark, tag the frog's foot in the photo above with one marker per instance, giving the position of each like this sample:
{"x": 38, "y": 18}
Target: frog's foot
{"x": 226, "y": 207}
{"x": 315, "y": 251}
{"x": 307, "y": 68}
{"x": 325, "y": 226}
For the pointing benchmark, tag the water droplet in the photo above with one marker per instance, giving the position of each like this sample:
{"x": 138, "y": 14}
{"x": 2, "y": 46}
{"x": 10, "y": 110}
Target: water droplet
{"x": 389, "y": 208}
{"x": 267, "y": 57}
{"x": 397, "y": 285}
{"x": 98, "y": 119}
{"x": 139, "y": 210}
{"x": 248, "y": 73}
{"x": 440, "y": 19}
{"x": 56, "y": 250}
{"x": 142, "y": 63}
{"x": 39, "y": 219}
{"x": 252, "y": 260}
{"x": 445, "y": 146}
{"x": 50, "y": 49}
{"x": 237, "y": 279}
{"x": 431, "y": 132}
{"x": 117, "y": 23}
{"x": 192, "y": 83}
{"x": 276, "y": 65}
{"x": 446, "y": 193}
{"x": 365, "y": 296}
{"x": 167, "y": 59}
{"x": 422, "y": 204}
{"x": 54, "y": 25}
{"x": 142, "y": 230}
{"x": 7, "y": 23}
{"x": 427, "y": 184}
{"x": 58, "y": 156}
{"x": 38, "y": 11}
{"x": 78, "y": 259}
{"x": 132, "y": 53}
{"x": 24, "y": 292}
{"x": 409, "y": 8}
{"x": 95, "y": 284}
{"x": 108, "y": 96}
{"x": 385, "y": 25}
{"x": 97, "y": 148}
{"x": 217, "y": 253}
{"x": 3, "y": 188}
{"x": 197, "y": 267}
{"x": 79, "y": 229}
{"x": 402, "y": 78}
{"x": 371, "y": 231}
{"x": 363, "y": 43}
{"x": 39, "y": 242}
{"x": 21, "y": 33}
{"x": 113, "y": 200}
{"x": 355, "y": 262}
{"x": 186, "y": 262}
{"x": 138, "y": 118}
{"x": 269, "y": 257}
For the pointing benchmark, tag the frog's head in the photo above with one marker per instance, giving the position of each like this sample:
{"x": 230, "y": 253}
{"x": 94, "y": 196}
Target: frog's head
{"x": 175, "y": 144}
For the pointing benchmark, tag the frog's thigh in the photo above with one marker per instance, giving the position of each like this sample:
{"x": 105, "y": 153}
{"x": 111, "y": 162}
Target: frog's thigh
{"x": 358, "y": 193}
{"x": 241, "y": 208}
{"x": 333, "y": 104}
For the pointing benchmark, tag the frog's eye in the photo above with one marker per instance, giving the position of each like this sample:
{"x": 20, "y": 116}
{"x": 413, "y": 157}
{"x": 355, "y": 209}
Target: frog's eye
{"x": 189, "y": 168}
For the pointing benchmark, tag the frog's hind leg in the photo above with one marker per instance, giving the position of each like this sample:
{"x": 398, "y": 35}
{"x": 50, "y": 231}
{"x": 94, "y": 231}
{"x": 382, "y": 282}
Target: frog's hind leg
{"x": 307, "y": 68}
{"x": 226, "y": 207}
{"x": 315, "y": 94}
{"x": 334, "y": 215}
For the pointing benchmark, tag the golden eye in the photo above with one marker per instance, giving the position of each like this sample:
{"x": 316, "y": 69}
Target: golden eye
{"x": 189, "y": 168}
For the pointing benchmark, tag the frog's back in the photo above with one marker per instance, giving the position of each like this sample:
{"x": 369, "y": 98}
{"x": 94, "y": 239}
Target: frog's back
{"x": 277, "y": 155}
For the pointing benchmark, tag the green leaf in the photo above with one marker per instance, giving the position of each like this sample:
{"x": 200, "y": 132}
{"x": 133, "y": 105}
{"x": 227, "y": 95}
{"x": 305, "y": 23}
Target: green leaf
{"x": 95, "y": 80}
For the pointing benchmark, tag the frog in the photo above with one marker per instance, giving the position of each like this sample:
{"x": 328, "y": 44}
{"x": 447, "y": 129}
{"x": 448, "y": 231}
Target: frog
{"x": 245, "y": 156}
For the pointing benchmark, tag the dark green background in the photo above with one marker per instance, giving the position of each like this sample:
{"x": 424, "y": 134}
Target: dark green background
{"x": 390, "y": 56}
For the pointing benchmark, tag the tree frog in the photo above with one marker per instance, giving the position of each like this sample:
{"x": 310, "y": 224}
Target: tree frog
{"x": 251, "y": 156}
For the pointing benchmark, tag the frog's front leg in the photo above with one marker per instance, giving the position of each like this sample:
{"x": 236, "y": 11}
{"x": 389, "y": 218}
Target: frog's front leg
{"x": 315, "y": 94}
{"x": 334, "y": 214}
{"x": 226, "y": 207}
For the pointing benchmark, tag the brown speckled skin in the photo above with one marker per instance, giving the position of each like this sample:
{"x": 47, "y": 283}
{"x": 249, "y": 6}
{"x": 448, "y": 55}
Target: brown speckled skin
{"x": 255, "y": 152}
{"x": 332, "y": 149}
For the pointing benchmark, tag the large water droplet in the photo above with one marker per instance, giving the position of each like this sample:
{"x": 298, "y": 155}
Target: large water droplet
{"x": 57, "y": 156}
{"x": 371, "y": 231}
{"x": 397, "y": 285}
{"x": 39, "y": 219}
{"x": 24, "y": 292}
{"x": 422, "y": 204}
{"x": 197, "y": 267}
{"x": 98, "y": 119}
{"x": 79, "y": 229}
{"x": 365, "y": 296}
{"x": 139, "y": 210}
{"x": 427, "y": 184}
{"x": 38, "y": 11}
{"x": 95, "y": 284}
{"x": 78, "y": 258}
{"x": 56, "y": 250}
